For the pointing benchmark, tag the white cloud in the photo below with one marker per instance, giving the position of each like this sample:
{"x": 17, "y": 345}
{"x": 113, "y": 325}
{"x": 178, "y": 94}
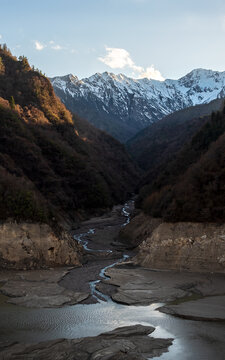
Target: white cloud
{"x": 39, "y": 46}
{"x": 0, "y": 36}
{"x": 151, "y": 73}
{"x": 56, "y": 47}
{"x": 117, "y": 58}
{"x": 51, "y": 44}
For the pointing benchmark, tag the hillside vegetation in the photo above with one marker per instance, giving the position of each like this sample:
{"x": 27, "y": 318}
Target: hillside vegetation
{"x": 191, "y": 186}
{"x": 53, "y": 165}
{"x": 158, "y": 143}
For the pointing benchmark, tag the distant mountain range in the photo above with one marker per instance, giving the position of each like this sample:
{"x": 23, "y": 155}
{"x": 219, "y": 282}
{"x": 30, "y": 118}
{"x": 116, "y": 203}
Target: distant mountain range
{"x": 123, "y": 106}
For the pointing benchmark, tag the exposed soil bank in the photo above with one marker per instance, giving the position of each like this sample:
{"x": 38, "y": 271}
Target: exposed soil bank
{"x": 59, "y": 286}
{"x": 183, "y": 246}
{"x": 26, "y": 246}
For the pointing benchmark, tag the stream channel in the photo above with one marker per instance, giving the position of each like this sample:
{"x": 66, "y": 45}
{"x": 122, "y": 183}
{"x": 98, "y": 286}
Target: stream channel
{"x": 193, "y": 340}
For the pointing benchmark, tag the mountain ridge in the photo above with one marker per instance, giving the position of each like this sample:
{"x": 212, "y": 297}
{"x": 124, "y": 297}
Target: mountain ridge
{"x": 123, "y": 106}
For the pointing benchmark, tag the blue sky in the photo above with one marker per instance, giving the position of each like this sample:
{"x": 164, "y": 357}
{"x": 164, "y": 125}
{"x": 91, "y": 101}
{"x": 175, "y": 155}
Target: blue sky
{"x": 153, "y": 38}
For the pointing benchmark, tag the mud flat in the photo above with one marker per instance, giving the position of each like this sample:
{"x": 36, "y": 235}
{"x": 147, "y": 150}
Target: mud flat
{"x": 104, "y": 249}
{"x": 133, "y": 285}
{"x": 211, "y": 308}
{"x": 38, "y": 288}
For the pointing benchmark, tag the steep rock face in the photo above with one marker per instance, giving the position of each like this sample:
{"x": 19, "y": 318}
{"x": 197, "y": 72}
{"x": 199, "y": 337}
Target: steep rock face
{"x": 29, "y": 245}
{"x": 123, "y": 106}
{"x": 185, "y": 246}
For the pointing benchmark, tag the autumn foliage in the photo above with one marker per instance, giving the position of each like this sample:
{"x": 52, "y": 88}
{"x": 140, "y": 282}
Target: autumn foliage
{"x": 53, "y": 165}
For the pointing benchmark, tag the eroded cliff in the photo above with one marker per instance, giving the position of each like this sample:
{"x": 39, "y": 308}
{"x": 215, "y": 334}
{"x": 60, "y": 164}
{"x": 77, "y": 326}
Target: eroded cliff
{"x": 32, "y": 245}
{"x": 184, "y": 246}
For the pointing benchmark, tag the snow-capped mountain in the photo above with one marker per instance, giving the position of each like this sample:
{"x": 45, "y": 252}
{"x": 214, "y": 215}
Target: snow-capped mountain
{"x": 122, "y": 106}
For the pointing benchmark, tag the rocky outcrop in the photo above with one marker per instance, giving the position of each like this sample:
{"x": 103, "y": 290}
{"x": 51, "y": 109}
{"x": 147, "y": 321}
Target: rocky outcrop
{"x": 184, "y": 246}
{"x": 125, "y": 343}
{"x": 30, "y": 246}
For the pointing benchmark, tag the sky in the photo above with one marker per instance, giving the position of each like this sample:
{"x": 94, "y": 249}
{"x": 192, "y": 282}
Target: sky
{"x": 140, "y": 38}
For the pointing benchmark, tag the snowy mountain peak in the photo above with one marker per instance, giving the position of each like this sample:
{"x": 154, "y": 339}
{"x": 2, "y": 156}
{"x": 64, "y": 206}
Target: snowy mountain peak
{"x": 117, "y": 101}
{"x": 204, "y": 73}
{"x": 204, "y": 78}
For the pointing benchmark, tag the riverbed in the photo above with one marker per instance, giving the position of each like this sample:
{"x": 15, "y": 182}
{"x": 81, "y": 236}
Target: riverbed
{"x": 193, "y": 340}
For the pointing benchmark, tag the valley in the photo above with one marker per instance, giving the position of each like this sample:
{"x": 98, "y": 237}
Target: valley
{"x": 109, "y": 250}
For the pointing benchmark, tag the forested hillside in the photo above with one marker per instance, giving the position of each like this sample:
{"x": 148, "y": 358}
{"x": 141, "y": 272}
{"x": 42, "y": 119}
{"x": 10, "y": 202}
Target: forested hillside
{"x": 160, "y": 141}
{"x": 191, "y": 187}
{"x": 53, "y": 165}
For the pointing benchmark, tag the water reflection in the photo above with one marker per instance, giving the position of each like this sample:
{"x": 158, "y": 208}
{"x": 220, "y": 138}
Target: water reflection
{"x": 194, "y": 340}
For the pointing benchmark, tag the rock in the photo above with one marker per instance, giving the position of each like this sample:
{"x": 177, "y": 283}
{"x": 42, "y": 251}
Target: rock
{"x": 126, "y": 343}
{"x": 39, "y": 289}
{"x": 29, "y": 245}
{"x": 184, "y": 246}
{"x": 209, "y": 309}
{"x": 139, "y": 286}
{"x": 142, "y": 286}
{"x": 39, "y": 294}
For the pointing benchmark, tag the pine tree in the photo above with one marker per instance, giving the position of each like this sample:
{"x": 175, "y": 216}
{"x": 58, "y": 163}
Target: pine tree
{"x": 25, "y": 63}
{"x": 12, "y": 103}
{"x": 2, "y": 66}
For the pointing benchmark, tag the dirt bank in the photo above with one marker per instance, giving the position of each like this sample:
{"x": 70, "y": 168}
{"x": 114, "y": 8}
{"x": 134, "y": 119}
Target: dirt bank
{"x": 34, "y": 246}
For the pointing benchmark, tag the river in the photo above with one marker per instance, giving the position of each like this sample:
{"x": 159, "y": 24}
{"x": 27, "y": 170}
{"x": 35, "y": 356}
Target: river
{"x": 194, "y": 340}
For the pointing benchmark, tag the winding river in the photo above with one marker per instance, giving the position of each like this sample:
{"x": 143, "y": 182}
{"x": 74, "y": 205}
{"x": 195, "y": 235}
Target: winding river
{"x": 194, "y": 340}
